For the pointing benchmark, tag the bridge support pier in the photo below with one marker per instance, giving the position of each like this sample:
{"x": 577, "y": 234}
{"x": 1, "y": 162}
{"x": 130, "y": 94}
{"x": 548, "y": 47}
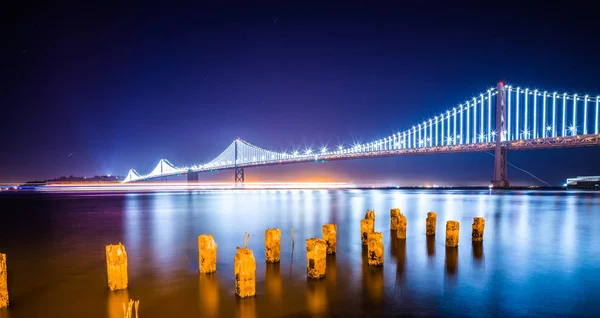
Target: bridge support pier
{"x": 192, "y": 177}
{"x": 500, "y": 177}
{"x": 239, "y": 176}
{"x": 239, "y": 171}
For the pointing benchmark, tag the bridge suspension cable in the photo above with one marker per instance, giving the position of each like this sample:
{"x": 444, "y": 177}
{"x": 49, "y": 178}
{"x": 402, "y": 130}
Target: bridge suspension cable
{"x": 533, "y": 118}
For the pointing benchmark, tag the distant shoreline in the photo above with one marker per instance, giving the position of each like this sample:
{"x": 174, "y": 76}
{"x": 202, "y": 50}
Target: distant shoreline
{"x": 109, "y": 189}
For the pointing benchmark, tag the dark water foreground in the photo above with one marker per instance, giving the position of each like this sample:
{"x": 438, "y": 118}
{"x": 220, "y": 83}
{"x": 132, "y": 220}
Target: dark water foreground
{"x": 540, "y": 255}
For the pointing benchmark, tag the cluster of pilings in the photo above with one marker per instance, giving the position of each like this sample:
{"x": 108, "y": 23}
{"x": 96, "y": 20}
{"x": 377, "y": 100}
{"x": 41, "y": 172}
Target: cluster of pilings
{"x": 317, "y": 250}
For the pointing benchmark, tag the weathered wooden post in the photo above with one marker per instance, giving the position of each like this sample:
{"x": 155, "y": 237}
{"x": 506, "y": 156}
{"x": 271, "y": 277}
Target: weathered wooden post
{"x": 430, "y": 223}
{"x": 401, "y": 232}
{"x": 272, "y": 245}
{"x": 3, "y": 282}
{"x": 116, "y": 266}
{"x": 452, "y": 231}
{"x": 330, "y": 236}
{"x": 370, "y": 215}
{"x": 478, "y": 227}
{"x": 207, "y": 254}
{"x": 366, "y": 226}
{"x": 394, "y": 219}
{"x": 316, "y": 257}
{"x": 244, "y": 266}
{"x": 375, "y": 249}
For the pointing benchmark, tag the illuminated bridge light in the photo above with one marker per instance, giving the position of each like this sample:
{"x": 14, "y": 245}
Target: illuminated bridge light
{"x": 452, "y": 128}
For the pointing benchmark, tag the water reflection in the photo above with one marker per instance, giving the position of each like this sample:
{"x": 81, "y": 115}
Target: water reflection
{"x": 246, "y": 307}
{"x": 398, "y": 251}
{"x": 331, "y": 271}
{"x": 372, "y": 280}
{"x": 540, "y": 255}
{"x": 273, "y": 283}
{"x": 431, "y": 246}
{"x": 316, "y": 295}
{"x": 451, "y": 261}
{"x": 163, "y": 229}
{"x": 477, "y": 250}
{"x": 116, "y": 299}
{"x": 208, "y": 294}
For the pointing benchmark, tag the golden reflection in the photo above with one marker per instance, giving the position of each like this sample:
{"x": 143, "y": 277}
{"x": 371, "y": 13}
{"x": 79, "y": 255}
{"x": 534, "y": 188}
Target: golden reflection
{"x": 246, "y": 307}
{"x": 274, "y": 286}
{"x": 116, "y": 299}
{"x": 431, "y": 245}
{"x": 451, "y": 260}
{"x": 316, "y": 296}
{"x": 331, "y": 271}
{"x": 399, "y": 253}
{"x": 372, "y": 279}
{"x": 208, "y": 287}
{"x": 477, "y": 249}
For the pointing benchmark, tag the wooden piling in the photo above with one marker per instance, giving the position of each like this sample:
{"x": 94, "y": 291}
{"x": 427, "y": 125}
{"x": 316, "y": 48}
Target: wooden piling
{"x": 330, "y": 236}
{"x": 370, "y": 215}
{"x": 394, "y": 219}
{"x": 207, "y": 254}
{"x": 116, "y": 266}
{"x": 316, "y": 257}
{"x": 452, "y": 233}
{"x": 272, "y": 245}
{"x": 244, "y": 266}
{"x": 430, "y": 223}
{"x": 401, "y": 232}
{"x": 375, "y": 249}
{"x": 366, "y": 226}
{"x": 3, "y": 282}
{"x": 478, "y": 228}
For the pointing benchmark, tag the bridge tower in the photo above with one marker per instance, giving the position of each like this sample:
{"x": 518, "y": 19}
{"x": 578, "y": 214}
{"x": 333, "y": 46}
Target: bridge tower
{"x": 500, "y": 176}
{"x": 239, "y": 171}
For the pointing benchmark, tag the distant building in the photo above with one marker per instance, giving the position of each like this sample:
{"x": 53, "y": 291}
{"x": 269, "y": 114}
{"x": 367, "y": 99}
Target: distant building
{"x": 75, "y": 180}
{"x": 588, "y": 182}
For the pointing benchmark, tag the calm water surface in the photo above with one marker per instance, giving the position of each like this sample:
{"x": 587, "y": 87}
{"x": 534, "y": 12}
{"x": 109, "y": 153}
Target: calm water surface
{"x": 540, "y": 255}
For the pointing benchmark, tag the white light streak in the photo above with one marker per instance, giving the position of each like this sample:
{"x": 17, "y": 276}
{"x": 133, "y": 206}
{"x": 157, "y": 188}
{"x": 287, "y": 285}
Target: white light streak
{"x": 535, "y": 95}
{"x": 508, "y": 114}
{"x": 544, "y": 116}
{"x": 525, "y": 123}
{"x": 554, "y": 114}
{"x": 454, "y": 120}
{"x": 575, "y": 111}
{"x": 482, "y": 121}
{"x": 517, "y": 137}
{"x": 564, "y": 116}
{"x": 468, "y": 140}
{"x": 461, "y": 124}
{"x": 585, "y": 102}
{"x": 474, "y": 120}
{"x": 489, "y": 130}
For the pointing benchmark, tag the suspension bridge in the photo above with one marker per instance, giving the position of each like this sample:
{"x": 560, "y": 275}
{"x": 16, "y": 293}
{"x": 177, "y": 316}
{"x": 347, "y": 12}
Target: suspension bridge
{"x": 500, "y": 119}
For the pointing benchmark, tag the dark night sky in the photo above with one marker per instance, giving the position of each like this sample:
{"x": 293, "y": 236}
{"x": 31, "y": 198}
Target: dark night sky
{"x": 123, "y": 86}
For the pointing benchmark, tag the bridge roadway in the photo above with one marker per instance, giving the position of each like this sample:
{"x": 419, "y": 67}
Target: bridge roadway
{"x": 527, "y": 144}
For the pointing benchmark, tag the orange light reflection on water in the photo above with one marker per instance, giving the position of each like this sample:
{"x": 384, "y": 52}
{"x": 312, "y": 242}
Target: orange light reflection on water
{"x": 178, "y": 186}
